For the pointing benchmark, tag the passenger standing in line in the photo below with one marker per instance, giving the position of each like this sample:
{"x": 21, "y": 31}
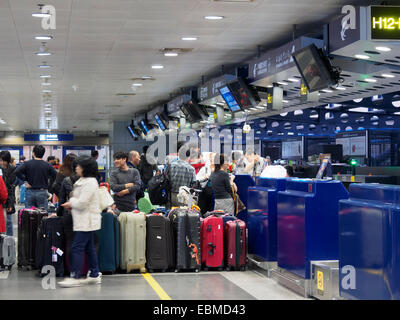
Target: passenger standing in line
{"x": 85, "y": 207}
{"x": 36, "y": 173}
{"x": 125, "y": 182}
{"x": 65, "y": 171}
{"x": 146, "y": 168}
{"x": 134, "y": 159}
{"x": 9, "y": 180}
{"x": 179, "y": 173}
{"x": 20, "y": 188}
{"x": 222, "y": 186}
{"x": 95, "y": 156}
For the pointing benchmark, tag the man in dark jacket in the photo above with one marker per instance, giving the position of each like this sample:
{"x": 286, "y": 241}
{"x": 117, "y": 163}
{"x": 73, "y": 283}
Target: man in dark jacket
{"x": 9, "y": 180}
{"x": 37, "y": 173}
{"x": 146, "y": 169}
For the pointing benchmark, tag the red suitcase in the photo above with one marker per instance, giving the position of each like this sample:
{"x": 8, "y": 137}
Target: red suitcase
{"x": 235, "y": 243}
{"x": 212, "y": 242}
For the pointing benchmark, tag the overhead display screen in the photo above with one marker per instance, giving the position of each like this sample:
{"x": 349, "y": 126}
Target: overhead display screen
{"x": 229, "y": 99}
{"x": 242, "y": 94}
{"x": 143, "y": 126}
{"x": 312, "y": 68}
{"x": 292, "y": 149}
{"x": 385, "y": 23}
{"x": 132, "y": 133}
{"x": 160, "y": 122}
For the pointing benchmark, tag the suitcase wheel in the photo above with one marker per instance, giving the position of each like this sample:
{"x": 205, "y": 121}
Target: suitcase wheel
{"x": 164, "y": 270}
{"x": 220, "y": 269}
{"x": 205, "y": 269}
{"x": 176, "y": 270}
{"x": 151, "y": 270}
{"x": 143, "y": 270}
{"x": 228, "y": 268}
{"x": 197, "y": 270}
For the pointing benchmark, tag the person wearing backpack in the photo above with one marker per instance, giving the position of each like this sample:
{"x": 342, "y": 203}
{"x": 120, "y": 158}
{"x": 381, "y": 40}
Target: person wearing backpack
{"x": 86, "y": 213}
{"x": 146, "y": 169}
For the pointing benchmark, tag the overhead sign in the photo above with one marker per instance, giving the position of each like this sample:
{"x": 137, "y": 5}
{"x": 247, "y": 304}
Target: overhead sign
{"x": 174, "y": 105}
{"x": 280, "y": 59}
{"x": 48, "y": 137}
{"x": 385, "y": 23}
{"x": 210, "y": 88}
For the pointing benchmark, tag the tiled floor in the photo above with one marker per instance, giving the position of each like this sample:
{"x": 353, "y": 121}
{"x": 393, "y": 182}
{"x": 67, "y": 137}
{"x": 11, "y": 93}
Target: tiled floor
{"x": 248, "y": 285}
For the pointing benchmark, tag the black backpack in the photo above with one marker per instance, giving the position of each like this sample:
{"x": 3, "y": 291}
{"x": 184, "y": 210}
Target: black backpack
{"x": 158, "y": 189}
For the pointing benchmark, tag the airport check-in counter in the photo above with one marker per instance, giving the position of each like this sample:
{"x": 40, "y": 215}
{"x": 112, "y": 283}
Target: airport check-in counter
{"x": 243, "y": 182}
{"x": 262, "y": 217}
{"x": 308, "y": 223}
{"x": 369, "y": 233}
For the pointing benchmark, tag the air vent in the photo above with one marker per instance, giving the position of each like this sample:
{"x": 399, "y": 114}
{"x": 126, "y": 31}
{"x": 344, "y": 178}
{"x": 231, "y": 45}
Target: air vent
{"x": 233, "y": 0}
{"x": 126, "y": 94}
{"x": 176, "y": 50}
{"x": 142, "y": 79}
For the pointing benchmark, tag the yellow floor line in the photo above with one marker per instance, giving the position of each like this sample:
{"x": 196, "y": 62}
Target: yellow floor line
{"x": 156, "y": 287}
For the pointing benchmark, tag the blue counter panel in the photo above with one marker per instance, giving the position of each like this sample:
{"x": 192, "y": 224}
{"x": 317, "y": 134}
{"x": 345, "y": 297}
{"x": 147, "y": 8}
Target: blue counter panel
{"x": 369, "y": 241}
{"x": 262, "y": 217}
{"x": 308, "y": 223}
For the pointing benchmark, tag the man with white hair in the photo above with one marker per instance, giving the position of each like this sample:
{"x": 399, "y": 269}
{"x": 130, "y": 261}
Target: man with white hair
{"x": 134, "y": 159}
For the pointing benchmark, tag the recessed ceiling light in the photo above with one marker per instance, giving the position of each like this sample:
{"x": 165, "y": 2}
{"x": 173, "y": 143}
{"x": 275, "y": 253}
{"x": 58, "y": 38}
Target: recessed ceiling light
{"x": 146, "y": 77}
{"x": 362, "y": 56}
{"x": 41, "y": 54}
{"x": 46, "y": 91}
{"x": 293, "y": 80}
{"x": 383, "y": 49}
{"x": 45, "y": 76}
{"x": 327, "y": 91}
{"x": 285, "y": 101}
{"x": 170, "y": 54}
{"x": 282, "y": 83}
{"x": 41, "y": 15}
{"x": 213, "y": 17}
{"x": 388, "y": 75}
{"x": 46, "y": 84}
{"x": 341, "y": 88}
{"x": 189, "y": 38}
{"x": 43, "y": 37}
{"x": 370, "y": 80}
{"x": 157, "y": 66}
{"x": 137, "y": 84}
{"x": 270, "y": 86}
{"x": 44, "y": 66}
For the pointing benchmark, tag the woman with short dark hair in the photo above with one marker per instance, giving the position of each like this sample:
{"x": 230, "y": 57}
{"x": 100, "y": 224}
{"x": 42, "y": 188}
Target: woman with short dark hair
{"x": 66, "y": 170}
{"x": 221, "y": 185}
{"x": 86, "y": 214}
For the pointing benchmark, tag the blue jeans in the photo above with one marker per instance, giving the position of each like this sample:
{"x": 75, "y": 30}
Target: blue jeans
{"x": 36, "y": 198}
{"x": 84, "y": 242}
{"x": 9, "y": 224}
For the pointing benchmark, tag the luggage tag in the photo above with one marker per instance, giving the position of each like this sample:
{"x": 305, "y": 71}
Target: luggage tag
{"x": 54, "y": 255}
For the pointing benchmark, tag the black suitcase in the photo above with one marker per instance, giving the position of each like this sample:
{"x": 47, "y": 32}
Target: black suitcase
{"x": 50, "y": 245}
{"x": 186, "y": 225}
{"x": 28, "y": 223}
{"x": 160, "y": 247}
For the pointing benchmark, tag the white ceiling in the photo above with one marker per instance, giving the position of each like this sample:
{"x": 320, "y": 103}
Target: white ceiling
{"x": 99, "y": 45}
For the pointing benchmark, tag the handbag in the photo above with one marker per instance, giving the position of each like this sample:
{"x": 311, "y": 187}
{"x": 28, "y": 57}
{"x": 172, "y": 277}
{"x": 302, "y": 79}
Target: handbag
{"x": 239, "y": 206}
{"x": 105, "y": 198}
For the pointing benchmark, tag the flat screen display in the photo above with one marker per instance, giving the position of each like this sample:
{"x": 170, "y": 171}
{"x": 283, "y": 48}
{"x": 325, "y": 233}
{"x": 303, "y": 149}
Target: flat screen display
{"x": 385, "y": 23}
{"x": 144, "y": 127}
{"x": 132, "y": 133}
{"x": 313, "y": 69}
{"x": 242, "y": 94}
{"x": 187, "y": 114}
{"x": 160, "y": 122}
{"x": 196, "y": 111}
{"x": 229, "y": 99}
{"x": 292, "y": 149}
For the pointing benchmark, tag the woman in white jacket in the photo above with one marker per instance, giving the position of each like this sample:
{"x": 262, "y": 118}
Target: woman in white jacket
{"x": 86, "y": 213}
